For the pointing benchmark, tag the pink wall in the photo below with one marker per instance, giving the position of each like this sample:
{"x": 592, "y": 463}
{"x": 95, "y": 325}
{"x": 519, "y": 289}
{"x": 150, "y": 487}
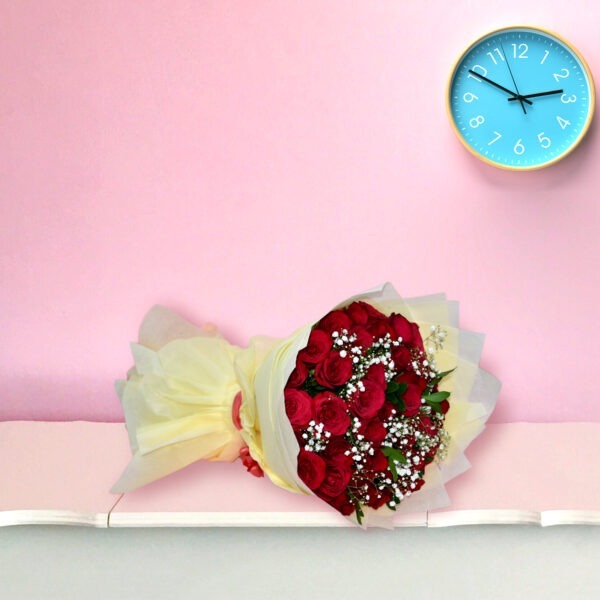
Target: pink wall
{"x": 252, "y": 163}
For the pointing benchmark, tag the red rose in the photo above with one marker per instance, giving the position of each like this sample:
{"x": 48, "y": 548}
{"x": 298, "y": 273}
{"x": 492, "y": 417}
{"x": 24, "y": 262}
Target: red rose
{"x": 379, "y": 328}
{"x": 357, "y": 313}
{"x": 428, "y": 426}
{"x": 418, "y": 485}
{"x": 336, "y": 451}
{"x": 331, "y": 411}
{"x": 384, "y": 497}
{"x": 386, "y": 411}
{"x": 444, "y": 406}
{"x": 377, "y": 462}
{"x": 319, "y": 345}
{"x": 342, "y": 504}
{"x": 402, "y": 357}
{"x": 298, "y": 407}
{"x": 402, "y": 328}
{"x": 373, "y": 313}
{"x": 336, "y": 320}
{"x": 417, "y": 340}
{"x": 334, "y": 370}
{"x": 374, "y": 431}
{"x": 311, "y": 469}
{"x": 414, "y": 392}
{"x": 376, "y": 374}
{"x": 298, "y": 376}
{"x": 365, "y": 404}
{"x": 337, "y": 477}
{"x": 363, "y": 338}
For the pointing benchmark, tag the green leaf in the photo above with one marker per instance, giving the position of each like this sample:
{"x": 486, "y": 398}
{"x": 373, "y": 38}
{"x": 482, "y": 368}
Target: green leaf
{"x": 393, "y": 470}
{"x": 394, "y": 393}
{"x": 398, "y": 403}
{"x": 436, "y": 397}
{"x": 440, "y": 376}
{"x": 359, "y": 513}
{"x": 393, "y": 456}
{"x": 435, "y": 406}
{"x": 392, "y": 387}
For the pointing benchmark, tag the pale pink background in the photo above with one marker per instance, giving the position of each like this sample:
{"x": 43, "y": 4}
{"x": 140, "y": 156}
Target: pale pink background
{"x": 252, "y": 163}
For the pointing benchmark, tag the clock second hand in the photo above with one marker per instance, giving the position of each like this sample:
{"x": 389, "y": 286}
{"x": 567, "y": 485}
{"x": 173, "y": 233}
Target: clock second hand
{"x": 519, "y": 97}
{"x": 525, "y": 96}
{"x": 500, "y": 87}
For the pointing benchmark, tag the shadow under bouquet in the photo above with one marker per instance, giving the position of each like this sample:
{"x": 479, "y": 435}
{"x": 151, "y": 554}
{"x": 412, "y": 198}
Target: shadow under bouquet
{"x": 370, "y": 408}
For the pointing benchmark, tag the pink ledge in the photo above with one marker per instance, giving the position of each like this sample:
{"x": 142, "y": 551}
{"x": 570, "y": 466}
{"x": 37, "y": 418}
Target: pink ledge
{"x": 60, "y": 473}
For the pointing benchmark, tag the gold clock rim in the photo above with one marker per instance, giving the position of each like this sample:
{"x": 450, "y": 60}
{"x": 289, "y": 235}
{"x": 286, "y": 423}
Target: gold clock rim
{"x": 585, "y": 128}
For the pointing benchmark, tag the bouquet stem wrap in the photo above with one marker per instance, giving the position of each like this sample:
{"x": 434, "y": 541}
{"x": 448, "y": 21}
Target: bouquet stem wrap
{"x": 179, "y": 397}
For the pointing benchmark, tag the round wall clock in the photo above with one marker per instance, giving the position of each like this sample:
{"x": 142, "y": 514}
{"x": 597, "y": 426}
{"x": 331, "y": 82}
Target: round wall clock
{"x": 521, "y": 98}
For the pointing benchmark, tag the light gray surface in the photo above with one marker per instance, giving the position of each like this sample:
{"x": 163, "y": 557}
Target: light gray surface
{"x": 458, "y": 562}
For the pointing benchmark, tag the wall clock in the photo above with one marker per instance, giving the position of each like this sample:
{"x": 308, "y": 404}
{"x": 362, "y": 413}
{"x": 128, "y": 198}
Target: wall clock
{"x": 521, "y": 98}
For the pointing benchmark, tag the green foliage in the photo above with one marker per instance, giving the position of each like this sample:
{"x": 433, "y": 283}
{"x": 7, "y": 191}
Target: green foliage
{"x": 393, "y": 455}
{"x": 394, "y": 393}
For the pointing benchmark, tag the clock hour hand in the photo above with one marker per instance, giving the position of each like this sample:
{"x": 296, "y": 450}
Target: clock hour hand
{"x": 500, "y": 87}
{"x": 538, "y": 94}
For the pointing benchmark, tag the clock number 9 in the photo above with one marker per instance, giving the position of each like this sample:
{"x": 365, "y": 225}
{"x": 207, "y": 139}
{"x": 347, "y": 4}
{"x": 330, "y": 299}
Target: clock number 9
{"x": 519, "y": 148}
{"x": 468, "y": 97}
{"x": 475, "y": 122}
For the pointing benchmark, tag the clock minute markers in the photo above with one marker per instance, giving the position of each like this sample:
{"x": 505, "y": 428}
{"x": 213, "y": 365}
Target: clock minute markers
{"x": 500, "y": 87}
{"x": 538, "y": 94}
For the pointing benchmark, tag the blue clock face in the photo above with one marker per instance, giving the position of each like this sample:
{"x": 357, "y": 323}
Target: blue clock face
{"x": 521, "y": 98}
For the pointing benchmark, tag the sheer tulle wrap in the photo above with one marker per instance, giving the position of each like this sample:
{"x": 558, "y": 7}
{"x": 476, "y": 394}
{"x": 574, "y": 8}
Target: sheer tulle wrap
{"x": 178, "y": 398}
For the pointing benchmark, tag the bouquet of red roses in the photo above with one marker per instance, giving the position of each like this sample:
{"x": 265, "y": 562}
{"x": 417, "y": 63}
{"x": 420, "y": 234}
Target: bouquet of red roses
{"x": 363, "y": 408}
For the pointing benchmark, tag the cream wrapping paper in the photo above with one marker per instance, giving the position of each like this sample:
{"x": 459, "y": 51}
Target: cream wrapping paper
{"x": 178, "y": 398}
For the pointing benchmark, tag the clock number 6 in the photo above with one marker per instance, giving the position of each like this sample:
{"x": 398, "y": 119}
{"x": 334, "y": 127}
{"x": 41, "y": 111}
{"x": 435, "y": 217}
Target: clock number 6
{"x": 544, "y": 140}
{"x": 519, "y": 148}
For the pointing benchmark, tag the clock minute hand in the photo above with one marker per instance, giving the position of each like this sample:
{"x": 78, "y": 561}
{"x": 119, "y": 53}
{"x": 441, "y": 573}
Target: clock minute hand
{"x": 500, "y": 87}
{"x": 539, "y": 94}
{"x": 520, "y": 98}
